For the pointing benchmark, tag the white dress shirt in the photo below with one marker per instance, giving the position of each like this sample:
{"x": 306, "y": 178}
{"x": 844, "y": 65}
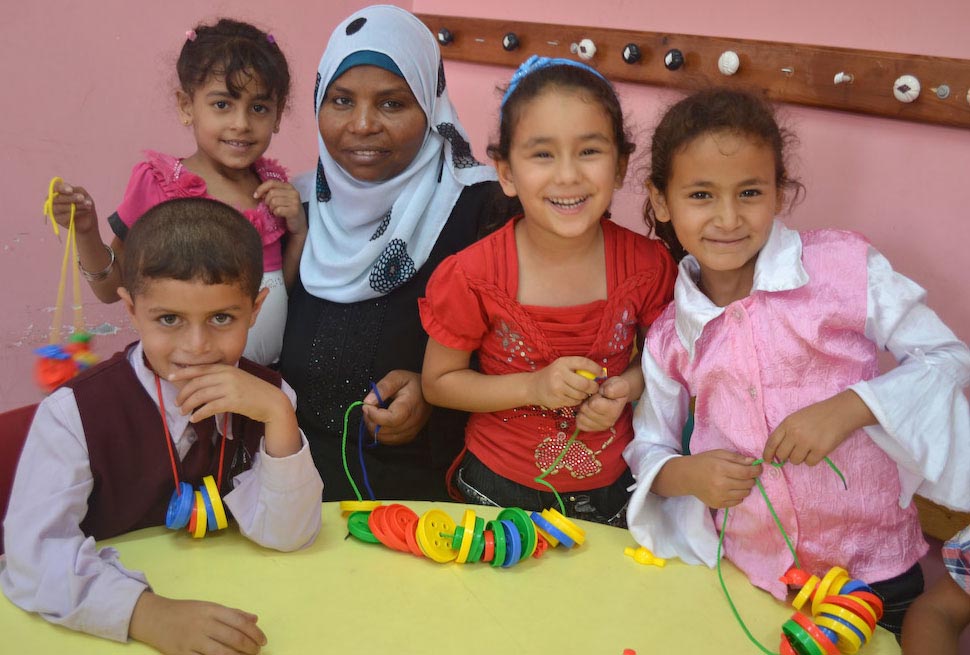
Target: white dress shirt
{"x": 52, "y": 568}
{"x": 921, "y": 407}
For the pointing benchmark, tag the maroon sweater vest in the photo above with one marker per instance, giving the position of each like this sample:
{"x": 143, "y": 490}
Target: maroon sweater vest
{"x": 128, "y": 452}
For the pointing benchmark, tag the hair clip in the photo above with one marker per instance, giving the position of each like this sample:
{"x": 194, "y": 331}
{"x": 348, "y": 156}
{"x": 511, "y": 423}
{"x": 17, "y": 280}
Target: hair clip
{"x": 190, "y": 35}
{"x": 536, "y": 63}
{"x": 271, "y": 38}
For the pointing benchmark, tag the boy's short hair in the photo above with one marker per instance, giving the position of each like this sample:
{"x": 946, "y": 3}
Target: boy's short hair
{"x": 193, "y": 239}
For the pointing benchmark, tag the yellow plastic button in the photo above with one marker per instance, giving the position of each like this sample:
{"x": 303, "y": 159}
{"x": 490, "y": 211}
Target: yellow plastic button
{"x": 200, "y": 516}
{"x": 468, "y": 533}
{"x": 431, "y": 526}
{"x": 568, "y": 528}
{"x": 348, "y": 506}
{"x": 216, "y": 500}
{"x": 833, "y": 574}
{"x": 805, "y": 593}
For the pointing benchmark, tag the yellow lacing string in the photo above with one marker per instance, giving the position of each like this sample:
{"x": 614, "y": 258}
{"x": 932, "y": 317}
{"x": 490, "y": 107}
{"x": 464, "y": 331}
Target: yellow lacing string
{"x": 70, "y": 254}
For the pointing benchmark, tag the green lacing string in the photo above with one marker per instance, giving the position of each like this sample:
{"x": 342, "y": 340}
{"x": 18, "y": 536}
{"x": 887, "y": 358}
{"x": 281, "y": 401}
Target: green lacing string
{"x": 343, "y": 447}
{"x": 774, "y": 515}
{"x": 552, "y": 467}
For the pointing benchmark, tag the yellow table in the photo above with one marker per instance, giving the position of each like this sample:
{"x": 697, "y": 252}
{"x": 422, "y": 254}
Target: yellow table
{"x": 344, "y": 596}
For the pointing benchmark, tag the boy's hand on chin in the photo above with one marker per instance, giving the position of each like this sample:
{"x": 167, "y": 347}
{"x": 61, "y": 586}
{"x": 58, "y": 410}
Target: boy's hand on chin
{"x": 212, "y": 389}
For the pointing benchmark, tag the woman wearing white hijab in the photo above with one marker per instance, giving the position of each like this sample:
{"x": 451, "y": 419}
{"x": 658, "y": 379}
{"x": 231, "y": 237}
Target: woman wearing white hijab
{"x": 397, "y": 190}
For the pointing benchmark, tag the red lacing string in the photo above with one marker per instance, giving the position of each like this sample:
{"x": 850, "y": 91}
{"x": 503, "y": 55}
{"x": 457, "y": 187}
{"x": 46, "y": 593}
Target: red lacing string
{"x": 168, "y": 440}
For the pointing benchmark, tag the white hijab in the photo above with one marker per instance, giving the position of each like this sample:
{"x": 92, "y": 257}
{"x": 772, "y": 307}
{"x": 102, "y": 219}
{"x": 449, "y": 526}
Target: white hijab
{"x": 368, "y": 238}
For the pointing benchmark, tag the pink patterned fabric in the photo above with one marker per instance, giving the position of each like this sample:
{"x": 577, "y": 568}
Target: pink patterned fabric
{"x": 471, "y": 305}
{"x": 163, "y": 177}
{"x": 765, "y": 357}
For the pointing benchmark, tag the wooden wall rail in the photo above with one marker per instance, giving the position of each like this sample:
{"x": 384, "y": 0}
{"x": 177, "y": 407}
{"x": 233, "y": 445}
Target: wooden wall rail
{"x": 784, "y": 72}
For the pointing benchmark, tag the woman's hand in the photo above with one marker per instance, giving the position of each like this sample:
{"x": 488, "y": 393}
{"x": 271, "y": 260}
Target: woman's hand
{"x": 406, "y": 413}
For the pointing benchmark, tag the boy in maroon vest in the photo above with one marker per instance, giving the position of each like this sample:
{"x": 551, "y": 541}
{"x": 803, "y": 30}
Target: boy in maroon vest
{"x": 106, "y": 451}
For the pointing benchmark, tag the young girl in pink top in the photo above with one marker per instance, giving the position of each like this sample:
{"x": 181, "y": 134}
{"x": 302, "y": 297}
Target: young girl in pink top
{"x": 775, "y": 333}
{"x": 234, "y": 82}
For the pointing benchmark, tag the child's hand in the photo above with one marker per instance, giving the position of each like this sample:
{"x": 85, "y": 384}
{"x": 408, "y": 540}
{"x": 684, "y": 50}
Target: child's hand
{"x": 719, "y": 478}
{"x": 559, "y": 385}
{"x": 407, "y": 411}
{"x": 217, "y": 388}
{"x": 810, "y": 434}
{"x": 283, "y": 200}
{"x": 85, "y": 216}
{"x": 177, "y": 627}
{"x": 601, "y": 410}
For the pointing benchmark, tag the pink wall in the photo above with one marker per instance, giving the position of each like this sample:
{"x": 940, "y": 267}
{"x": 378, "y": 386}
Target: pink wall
{"x": 902, "y": 184}
{"x": 89, "y": 85}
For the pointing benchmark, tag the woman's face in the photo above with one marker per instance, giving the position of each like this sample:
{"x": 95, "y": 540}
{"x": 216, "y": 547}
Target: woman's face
{"x": 371, "y": 123}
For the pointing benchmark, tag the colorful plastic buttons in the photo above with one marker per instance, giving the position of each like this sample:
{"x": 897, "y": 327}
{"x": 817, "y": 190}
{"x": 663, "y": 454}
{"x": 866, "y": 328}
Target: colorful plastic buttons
{"x": 200, "y": 516}
{"x": 357, "y": 523}
{"x": 412, "y": 537}
{"x": 802, "y": 597}
{"x": 431, "y": 526}
{"x": 218, "y": 508}
{"x": 467, "y": 535}
{"x": 553, "y": 534}
{"x": 498, "y": 532}
{"x": 566, "y": 526}
{"x": 800, "y": 640}
{"x": 525, "y": 526}
{"x": 513, "y": 544}
{"x": 350, "y": 506}
{"x": 825, "y": 641}
{"x": 478, "y": 541}
{"x": 823, "y": 587}
{"x": 489, "y": 538}
{"x": 180, "y": 507}
{"x": 870, "y": 599}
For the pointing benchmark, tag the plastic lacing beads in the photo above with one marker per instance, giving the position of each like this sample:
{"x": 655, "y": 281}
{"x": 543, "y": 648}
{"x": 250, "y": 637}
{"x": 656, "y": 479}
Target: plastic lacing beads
{"x": 199, "y": 512}
{"x": 503, "y": 542}
{"x": 844, "y": 611}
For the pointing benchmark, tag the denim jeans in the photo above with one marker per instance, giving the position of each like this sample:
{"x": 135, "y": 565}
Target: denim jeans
{"x": 481, "y": 486}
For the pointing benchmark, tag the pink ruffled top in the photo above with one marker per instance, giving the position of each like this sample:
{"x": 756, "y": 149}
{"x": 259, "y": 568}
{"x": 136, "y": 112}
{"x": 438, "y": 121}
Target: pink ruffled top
{"x": 163, "y": 177}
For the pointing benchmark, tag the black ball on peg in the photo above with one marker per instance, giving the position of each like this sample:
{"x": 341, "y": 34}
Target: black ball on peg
{"x": 445, "y": 36}
{"x": 510, "y": 41}
{"x": 631, "y": 53}
{"x": 674, "y": 59}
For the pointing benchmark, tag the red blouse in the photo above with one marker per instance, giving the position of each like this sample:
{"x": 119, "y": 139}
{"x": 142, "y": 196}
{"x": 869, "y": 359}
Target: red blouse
{"x": 471, "y": 305}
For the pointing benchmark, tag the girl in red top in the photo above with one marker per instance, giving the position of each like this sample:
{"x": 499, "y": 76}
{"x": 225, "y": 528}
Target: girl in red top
{"x": 551, "y": 297}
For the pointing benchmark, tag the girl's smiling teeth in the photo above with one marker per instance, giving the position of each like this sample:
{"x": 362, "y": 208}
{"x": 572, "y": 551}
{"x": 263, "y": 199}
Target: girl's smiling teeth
{"x": 567, "y": 203}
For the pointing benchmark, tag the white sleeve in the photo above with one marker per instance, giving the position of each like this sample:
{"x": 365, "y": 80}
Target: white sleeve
{"x": 277, "y": 502}
{"x": 670, "y": 527}
{"x": 50, "y": 567}
{"x": 923, "y": 414}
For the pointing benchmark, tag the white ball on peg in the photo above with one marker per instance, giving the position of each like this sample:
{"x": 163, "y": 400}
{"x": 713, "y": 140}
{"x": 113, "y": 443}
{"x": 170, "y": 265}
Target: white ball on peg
{"x": 586, "y": 49}
{"x": 729, "y": 62}
{"x": 906, "y": 88}
{"x": 843, "y": 78}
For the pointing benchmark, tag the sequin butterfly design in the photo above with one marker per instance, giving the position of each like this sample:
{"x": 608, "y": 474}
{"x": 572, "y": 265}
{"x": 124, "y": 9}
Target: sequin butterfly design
{"x": 514, "y": 344}
{"x": 580, "y": 459}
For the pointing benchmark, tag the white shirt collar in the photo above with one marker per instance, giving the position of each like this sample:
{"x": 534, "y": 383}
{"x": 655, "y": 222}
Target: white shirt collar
{"x": 778, "y": 268}
{"x": 177, "y": 423}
